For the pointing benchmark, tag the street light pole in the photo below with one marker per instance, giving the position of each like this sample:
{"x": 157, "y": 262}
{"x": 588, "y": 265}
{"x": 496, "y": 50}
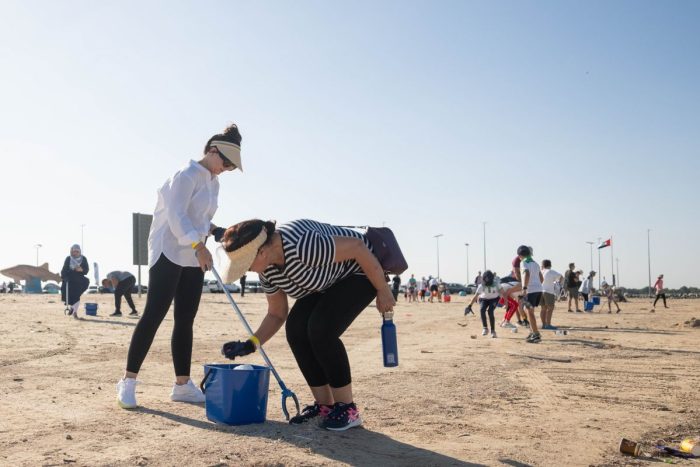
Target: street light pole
{"x": 649, "y": 258}
{"x": 37, "y": 246}
{"x": 617, "y": 263}
{"x": 437, "y": 243}
{"x": 484, "y": 224}
{"x": 590, "y": 244}
{"x": 467, "y": 245}
{"x": 599, "y": 240}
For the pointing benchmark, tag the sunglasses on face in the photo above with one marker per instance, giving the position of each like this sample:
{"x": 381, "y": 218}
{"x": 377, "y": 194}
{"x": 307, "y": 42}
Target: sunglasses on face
{"x": 227, "y": 163}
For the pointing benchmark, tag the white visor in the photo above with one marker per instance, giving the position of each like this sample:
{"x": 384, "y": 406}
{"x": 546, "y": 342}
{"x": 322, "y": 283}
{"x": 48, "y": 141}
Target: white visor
{"x": 230, "y": 151}
{"x": 241, "y": 259}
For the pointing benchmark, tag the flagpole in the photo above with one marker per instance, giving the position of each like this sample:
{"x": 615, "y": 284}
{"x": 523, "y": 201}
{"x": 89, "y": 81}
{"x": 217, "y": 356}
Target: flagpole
{"x": 612, "y": 262}
{"x": 599, "y": 239}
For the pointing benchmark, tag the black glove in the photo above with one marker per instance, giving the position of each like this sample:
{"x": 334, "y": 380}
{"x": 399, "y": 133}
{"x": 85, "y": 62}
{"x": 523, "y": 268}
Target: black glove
{"x": 468, "y": 310}
{"x": 218, "y": 233}
{"x": 234, "y": 349}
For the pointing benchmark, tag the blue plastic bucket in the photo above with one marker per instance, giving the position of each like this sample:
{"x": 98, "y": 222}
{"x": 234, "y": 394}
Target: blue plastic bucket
{"x": 91, "y": 309}
{"x": 235, "y": 397}
{"x": 587, "y": 306}
{"x": 596, "y": 300}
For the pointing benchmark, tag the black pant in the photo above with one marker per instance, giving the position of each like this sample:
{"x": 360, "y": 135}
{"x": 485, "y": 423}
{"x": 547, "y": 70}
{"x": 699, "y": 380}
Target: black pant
{"x": 168, "y": 281}
{"x": 658, "y": 296}
{"x": 488, "y": 304}
{"x": 73, "y": 288}
{"x": 314, "y": 327}
{"x": 124, "y": 288}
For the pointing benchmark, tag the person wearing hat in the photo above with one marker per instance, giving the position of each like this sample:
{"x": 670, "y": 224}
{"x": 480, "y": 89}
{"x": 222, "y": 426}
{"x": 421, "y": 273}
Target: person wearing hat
{"x": 333, "y": 275}
{"x": 74, "y": 283}
{"x": 177, "y": 260}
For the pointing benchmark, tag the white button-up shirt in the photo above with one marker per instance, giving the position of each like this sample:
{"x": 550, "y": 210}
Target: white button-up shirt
{"x": 186, "y": 205}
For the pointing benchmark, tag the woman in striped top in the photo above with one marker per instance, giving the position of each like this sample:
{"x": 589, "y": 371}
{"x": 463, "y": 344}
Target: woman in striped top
{"x": 333, "y": 275}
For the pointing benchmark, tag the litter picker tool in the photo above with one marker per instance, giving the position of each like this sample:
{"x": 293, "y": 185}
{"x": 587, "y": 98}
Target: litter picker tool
{"x": 286, "y": 392}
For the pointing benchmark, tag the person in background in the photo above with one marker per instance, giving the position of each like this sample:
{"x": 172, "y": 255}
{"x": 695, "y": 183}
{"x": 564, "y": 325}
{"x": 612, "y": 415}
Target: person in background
{"x": 532, "y": 289}
{"x": 177, "y": 260}
{"x": 121, "y": 282}
{"x": 242, "y": 282}
{"x": 423, "y": 289}
{"x": 488, "y": 293}
{"x": 609, "y": 293}
{"x": 572, "y": 284}
{"x": 412, "y": 285}
{"x": 478, "y": 279}
{"x": 74, "y": 283}
{"x": 550, "y": 284}
{"x": 433, "y": 288}
{"x": 586, "y": 288}
{"x": 659, "y": 290}
{"x": 396, "y": 285}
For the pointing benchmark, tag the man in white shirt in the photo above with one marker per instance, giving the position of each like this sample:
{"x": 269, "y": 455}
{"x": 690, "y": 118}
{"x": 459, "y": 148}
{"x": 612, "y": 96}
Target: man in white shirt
{"x": 532, "y": 289}
{"x": 551, "y": 285}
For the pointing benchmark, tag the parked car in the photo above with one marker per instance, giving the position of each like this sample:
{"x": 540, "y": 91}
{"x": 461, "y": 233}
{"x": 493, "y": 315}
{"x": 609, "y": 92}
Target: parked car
{"x": 52, "y": 288}
{"x": 455, "y": 288}
{"x": 211, "y": 286}
{"x": 253, "y": 286}
{"x": 93, "y": 289}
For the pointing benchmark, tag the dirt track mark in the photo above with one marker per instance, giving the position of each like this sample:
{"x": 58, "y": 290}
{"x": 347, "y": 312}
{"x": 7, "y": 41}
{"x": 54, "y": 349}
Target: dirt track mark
{"x": 68, "y": 344}
{"x": 541, "y": 386}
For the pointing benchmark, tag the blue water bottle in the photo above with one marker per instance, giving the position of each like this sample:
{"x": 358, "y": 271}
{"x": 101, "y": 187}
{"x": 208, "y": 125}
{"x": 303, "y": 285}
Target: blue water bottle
{"x": 390, "y": 347}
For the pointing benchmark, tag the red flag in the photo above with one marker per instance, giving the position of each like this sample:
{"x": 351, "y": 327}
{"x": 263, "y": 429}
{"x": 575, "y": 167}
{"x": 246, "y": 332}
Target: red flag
{"x": 606, "y": 243}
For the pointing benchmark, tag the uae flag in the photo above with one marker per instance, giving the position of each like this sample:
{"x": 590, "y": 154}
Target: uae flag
{"x": 604, "y": 244}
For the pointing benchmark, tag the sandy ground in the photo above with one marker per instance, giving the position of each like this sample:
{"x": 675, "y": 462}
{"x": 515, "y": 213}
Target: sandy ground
{"x": 456, "y": 399}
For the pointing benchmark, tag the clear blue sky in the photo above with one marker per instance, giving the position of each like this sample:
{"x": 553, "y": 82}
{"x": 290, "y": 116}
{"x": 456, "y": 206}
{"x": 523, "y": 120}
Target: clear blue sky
{"x": 555, "y": 122}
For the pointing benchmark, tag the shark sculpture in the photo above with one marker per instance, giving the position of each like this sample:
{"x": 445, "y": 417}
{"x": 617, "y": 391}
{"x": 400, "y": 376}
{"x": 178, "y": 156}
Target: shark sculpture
{"x": 24, "y": 272}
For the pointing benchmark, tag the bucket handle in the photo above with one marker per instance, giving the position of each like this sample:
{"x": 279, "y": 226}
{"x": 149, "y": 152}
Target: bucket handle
{"x": 206, "y": 376}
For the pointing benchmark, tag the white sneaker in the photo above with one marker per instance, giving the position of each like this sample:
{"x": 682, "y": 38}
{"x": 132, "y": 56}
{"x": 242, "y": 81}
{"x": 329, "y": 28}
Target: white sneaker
{"x": 126, "y": 393}
{"x": 484, "y": 331}
{"x": 509, "y": 325}
{"x": 187, "y": 393}
{"x": 76, "y": 306}
{"x": 493, "y": 334}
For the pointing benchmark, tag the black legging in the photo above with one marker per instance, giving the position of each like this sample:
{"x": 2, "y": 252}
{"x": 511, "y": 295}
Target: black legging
{"x": 124, "y": 288}
{"x": 168, "y": 281}
{"x": 488, "y": 304}
{"x": 314, "y": 327}
{"x": 658, "y": 296}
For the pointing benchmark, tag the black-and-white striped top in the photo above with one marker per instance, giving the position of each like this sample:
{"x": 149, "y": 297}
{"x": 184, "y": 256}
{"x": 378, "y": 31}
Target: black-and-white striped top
{"x": 309, "y": 259}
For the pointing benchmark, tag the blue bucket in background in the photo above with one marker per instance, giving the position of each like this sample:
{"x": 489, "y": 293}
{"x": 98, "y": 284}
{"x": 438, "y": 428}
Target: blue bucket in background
{"x": 236, "y": 397}
{"x": 91, "y": 309}
{"x": 596, "y": 300}
{"x": 587, "y": 306}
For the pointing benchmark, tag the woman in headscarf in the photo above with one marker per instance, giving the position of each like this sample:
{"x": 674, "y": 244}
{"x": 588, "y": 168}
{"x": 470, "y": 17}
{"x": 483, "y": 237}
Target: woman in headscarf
{"x": 74, "y": 283}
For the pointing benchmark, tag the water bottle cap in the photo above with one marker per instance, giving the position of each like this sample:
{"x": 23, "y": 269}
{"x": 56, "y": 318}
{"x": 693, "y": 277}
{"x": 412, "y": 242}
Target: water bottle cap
{"x": 389, "y": 315}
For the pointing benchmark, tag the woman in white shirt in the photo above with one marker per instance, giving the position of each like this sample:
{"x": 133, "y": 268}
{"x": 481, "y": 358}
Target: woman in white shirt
{"x": 587, "y": 286}
{"x": 178, "y": 259}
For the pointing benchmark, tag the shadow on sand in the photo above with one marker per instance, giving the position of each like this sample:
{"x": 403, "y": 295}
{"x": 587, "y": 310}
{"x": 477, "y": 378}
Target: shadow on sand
{"x": 356, "y": 447}
{"x": 631, "y": 330}
{"x": 104, "y": 321}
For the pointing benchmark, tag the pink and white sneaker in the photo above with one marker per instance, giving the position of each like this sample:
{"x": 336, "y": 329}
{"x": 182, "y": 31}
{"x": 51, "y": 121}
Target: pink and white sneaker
{"x": 342, "y": 417}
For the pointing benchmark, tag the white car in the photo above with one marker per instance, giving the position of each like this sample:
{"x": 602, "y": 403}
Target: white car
{"x": 212, "y": 286}
{"x": 93, "y": 289}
